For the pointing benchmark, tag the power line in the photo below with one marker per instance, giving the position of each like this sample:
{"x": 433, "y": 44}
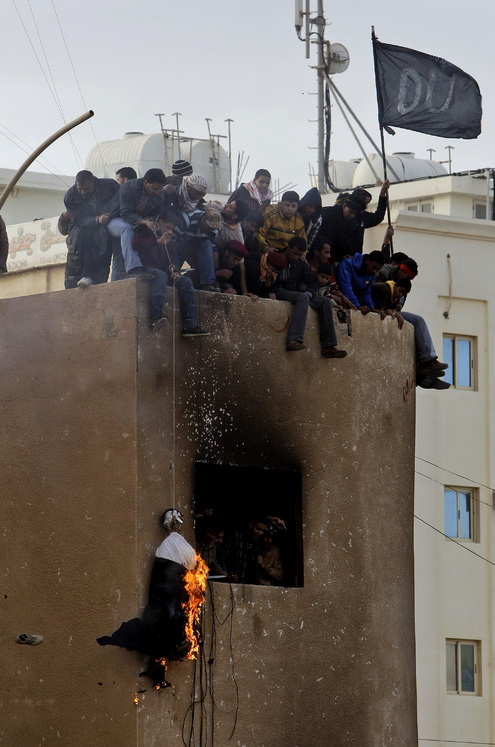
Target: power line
{"x": 24, "y": 150}
{"x": 459, "y": 544}
{"x": 53, "y": 89}
{"x": 463, "y": 477}
{"x": 475, "y": 498}
{"x": 77, "y": 81}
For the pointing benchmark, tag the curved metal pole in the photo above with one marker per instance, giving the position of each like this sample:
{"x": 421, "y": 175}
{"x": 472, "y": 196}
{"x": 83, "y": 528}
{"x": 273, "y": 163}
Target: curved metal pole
{"x": 34, "y": 155}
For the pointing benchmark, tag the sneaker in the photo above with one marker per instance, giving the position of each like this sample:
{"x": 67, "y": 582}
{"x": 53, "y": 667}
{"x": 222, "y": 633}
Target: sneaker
{"x": 29, "y": 640}
{"x": 84, "y": 283}
{"x": 333, "y": 352}
{"x": 432, "y": 366}
{"x": 211, "y": 288}
{"x": 141, "y": 273}
{"x": 194, "y": 332}
{"x": 432, "y": 383}
{"x": 157, "y": 322}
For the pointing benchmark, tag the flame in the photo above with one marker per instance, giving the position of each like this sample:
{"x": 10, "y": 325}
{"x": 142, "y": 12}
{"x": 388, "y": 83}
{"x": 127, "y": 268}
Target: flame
{"x": 195, "y": 585}
{"x": 136, "y": 699}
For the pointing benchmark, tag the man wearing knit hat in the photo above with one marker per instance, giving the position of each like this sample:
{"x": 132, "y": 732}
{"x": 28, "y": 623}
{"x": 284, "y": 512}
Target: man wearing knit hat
{"x": 180, "y": 169}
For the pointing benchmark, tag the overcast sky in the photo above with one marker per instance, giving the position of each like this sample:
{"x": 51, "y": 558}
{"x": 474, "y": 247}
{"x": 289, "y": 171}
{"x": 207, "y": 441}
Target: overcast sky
{"x": 238, "y": 60}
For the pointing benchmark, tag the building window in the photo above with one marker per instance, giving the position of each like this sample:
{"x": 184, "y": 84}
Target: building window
{"x": 459, "y": 353}
{"x": 229, "y": 502}
{"x": 479, "y": 210}
{"x": 426, "y": 207}
{"x": 463, "y": 667}
{"x": 412, "y": 208}
{"x": 460, "y": 511}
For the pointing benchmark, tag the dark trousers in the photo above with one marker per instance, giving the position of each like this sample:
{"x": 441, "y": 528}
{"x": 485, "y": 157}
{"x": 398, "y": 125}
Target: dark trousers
{"x": 301, "y": 302}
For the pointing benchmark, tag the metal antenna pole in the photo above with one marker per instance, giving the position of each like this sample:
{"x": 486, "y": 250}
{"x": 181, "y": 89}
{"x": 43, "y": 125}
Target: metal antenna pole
{"x": 430, "y": 151}
{"x": 177, "y": 115}
{"x": 363, "y": 128}
{"x": 165, "y": 159}
{"x": 208, "y": 120}
{"x": 230, "y": 153}
{"x": 319, "y": 22}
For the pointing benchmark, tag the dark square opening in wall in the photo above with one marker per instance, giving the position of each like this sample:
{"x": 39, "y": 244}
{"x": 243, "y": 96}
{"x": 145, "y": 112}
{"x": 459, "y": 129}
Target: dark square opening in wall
{"x": 236, "y": 496}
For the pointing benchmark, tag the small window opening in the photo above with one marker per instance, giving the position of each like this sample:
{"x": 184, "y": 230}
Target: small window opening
{"x": 233, "y": 531}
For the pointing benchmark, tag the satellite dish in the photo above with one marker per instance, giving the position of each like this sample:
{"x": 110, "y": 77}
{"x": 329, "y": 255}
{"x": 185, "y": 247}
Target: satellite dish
{"x": 336, "y": 58}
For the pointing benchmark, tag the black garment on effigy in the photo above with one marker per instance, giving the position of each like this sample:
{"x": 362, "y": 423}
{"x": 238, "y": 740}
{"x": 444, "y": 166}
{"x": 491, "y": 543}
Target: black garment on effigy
{"x": 161, "y": 630}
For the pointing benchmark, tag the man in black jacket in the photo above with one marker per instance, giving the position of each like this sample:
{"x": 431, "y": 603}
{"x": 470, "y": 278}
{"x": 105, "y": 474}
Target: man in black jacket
{"x": 140, "y": 200}
{"x": 365, "y": 220}
{"x": 90, "y": 204}
{"x": 336, "y": 225}
{"x": 299, "y": 285}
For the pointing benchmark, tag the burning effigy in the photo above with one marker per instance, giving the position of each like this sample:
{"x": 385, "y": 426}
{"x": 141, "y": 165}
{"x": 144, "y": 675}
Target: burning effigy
{"x": 170, "y": 626}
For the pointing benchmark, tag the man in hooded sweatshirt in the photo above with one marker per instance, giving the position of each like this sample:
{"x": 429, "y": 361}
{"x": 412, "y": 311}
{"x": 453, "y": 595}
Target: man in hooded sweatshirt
{"x": 355, "y": 277}
{"x": 310, "y": 211}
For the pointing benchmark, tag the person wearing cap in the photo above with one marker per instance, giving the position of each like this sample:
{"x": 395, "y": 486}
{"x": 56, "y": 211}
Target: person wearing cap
{"x": 180, "y": 169}
{"x": 194, "y": 244}
{"x": 364, "y": 219}
{"x": 261, "y": 272}
{"x": 336, "y": 222}
{"x": 227, "y": 266}
{"x": 299, "y": 285}
{"x": 280, "y": 224}
{"x": 156, "y": 251}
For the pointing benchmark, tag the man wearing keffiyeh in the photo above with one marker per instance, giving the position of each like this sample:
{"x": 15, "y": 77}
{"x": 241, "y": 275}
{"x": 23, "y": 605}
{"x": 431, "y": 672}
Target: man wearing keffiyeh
{"x": 256, "y": 193}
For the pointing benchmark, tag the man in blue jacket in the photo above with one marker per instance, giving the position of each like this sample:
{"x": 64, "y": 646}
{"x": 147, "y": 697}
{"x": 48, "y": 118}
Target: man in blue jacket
{"x": 356, "y": 276}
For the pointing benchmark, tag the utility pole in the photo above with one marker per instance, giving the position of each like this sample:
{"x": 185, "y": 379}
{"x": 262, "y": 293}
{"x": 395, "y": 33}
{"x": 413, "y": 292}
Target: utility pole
{"x": 177, "y": 115}
{"x": 319, "y": 22}
{"x": 229, "y": 121}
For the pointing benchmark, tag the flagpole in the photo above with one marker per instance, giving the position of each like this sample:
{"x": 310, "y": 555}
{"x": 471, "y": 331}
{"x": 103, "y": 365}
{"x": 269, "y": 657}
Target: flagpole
{"x": 382, "y": 138}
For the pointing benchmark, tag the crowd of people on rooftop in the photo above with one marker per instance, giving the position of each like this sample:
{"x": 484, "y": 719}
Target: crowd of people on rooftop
{"x": 161, "y": 229}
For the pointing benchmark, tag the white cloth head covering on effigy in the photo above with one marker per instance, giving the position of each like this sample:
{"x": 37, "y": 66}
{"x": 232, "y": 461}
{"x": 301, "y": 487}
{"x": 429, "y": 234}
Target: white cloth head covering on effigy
{"x": 176, "y": 548}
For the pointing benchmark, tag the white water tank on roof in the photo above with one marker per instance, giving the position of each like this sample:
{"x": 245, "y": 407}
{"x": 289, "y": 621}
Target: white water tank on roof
{"x": 144, "y": 152}
{"x": 405, "y": 165}
{"x": 342, "y": 173}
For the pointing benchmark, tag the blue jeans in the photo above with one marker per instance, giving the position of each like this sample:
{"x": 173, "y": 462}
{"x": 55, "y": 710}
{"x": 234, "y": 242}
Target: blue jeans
{"x": 158, "y": 289}
{"x": 425, "y": 350}
{"x": 199, "y": 254}
{"x": 118, "y": 267}
{"x": 120, "y": 228}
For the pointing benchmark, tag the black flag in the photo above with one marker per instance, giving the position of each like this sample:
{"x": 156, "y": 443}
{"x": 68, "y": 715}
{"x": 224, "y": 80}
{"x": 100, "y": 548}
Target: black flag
{"x": 417, "y": 91}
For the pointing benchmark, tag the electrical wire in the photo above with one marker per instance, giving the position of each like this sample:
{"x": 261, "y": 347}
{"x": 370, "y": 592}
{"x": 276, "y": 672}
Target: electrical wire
{"x": 459, "y": 544}
{"x": 53, "y": 89}
{"x": 463, "y": 477}
{"x": 78, "y": 84}
{"x": 474, "y": 498}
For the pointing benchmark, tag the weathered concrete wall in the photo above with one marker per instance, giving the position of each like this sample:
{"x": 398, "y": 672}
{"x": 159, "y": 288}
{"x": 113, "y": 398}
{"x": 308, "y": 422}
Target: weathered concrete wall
{"x": 87, "y": 449}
